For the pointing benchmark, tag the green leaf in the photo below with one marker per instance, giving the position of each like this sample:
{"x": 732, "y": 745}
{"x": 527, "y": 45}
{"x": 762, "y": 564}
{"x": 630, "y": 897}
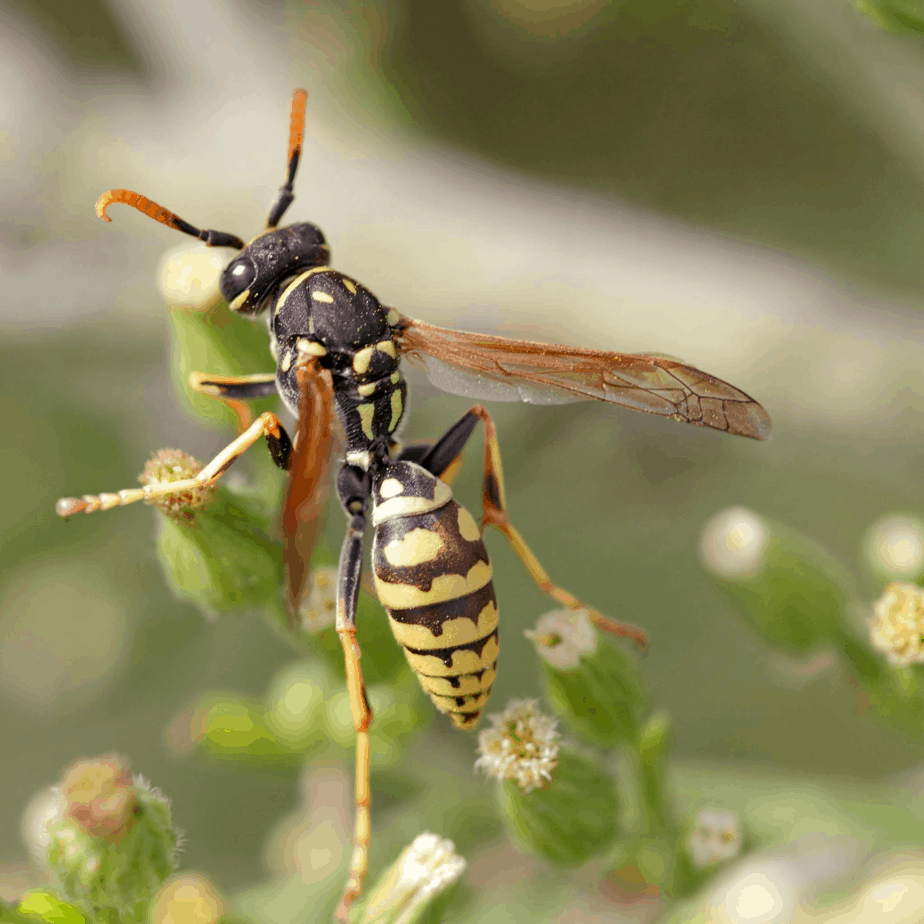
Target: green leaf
{"x": 44, "y": 905}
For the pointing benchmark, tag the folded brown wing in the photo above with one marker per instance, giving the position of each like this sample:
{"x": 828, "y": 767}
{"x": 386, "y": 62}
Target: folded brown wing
{"x": 309, "y": 485}
{"x": 498, "y": 368}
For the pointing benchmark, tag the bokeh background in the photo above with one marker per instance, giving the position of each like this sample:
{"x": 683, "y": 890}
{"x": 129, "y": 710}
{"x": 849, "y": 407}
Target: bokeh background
{"x": 737, "y": 183}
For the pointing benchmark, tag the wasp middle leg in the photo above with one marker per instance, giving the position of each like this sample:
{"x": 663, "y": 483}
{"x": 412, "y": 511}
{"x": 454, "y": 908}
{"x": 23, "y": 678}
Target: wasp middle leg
{"x": 444, "y": 454}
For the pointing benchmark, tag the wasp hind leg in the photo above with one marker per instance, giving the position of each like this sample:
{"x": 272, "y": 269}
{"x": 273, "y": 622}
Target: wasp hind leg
{"x": 266, "y": 425}
{"x": 354, "y": 494}
{"x": 444, "y": 454}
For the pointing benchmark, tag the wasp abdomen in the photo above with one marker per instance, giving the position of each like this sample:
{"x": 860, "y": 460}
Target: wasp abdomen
{"x": 433, "y": 576}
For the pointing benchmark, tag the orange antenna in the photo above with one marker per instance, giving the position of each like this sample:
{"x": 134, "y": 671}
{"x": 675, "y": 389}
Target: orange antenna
{"x": 164, "y": 216}
{"x": 285, "y": 196}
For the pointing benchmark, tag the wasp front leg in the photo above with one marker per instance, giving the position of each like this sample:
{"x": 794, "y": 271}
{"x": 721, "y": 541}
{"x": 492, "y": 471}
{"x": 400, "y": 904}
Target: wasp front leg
{"x": 266, "y": 425}
{"x": 444, "y": 454}
{"x": 234, "y": 390}
{"x": 353, "y": 488}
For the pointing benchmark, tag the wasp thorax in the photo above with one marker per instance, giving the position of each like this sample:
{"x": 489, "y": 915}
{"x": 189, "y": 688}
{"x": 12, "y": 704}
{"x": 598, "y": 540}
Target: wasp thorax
{"x": 267, "y": 261}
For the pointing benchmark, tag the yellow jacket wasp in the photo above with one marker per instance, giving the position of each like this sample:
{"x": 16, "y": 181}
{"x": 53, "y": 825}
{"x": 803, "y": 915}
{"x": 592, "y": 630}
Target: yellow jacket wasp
{"x": 337, "y": 347}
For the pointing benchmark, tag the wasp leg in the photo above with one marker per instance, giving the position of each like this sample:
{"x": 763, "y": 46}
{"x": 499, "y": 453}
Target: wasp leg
{"x": 348, "y": 581}
{"x": 420, "y": 452}
{"x": 444, "y": 453}
{"x": 234, "y": 390}
{"x": 266, "y": 425}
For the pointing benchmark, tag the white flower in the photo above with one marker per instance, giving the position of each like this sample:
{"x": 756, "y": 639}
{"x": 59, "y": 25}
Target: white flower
{"x": 563, "y": 636}
{"x": 897, "y": 625}
{"x": 521, "y": 745}
{"x": 424, "y": 869}
{"x": 716, "y": 837}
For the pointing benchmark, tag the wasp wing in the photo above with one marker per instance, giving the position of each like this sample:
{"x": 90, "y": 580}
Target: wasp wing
{"x": 309, "y": 485}
{"x": 490, "y": 368}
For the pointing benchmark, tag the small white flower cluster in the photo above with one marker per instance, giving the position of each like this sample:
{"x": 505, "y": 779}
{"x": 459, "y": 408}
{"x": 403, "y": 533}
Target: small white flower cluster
{"x": 425, "y": 868}
{"x": 716, "y": 837}
{"x": 521, "y": 745}
{"x": 563, "y": 636}
{"x": 897, "y": 625}
{"x": 318, "y": 608}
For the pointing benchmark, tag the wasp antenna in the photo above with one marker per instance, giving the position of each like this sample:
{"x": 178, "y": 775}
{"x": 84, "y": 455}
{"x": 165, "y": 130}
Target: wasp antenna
{"x": 164, "y": 216}
{"x": 285, "y": 196}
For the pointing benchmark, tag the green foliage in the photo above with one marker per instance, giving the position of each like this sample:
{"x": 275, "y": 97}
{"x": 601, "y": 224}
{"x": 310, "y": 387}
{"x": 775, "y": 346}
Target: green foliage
{"x": 45, "y": 906}
{"x": 896, "y": 15}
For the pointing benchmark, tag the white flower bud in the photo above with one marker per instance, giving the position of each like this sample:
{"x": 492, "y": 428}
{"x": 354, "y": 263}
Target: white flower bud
{"x": 733, "y": 543}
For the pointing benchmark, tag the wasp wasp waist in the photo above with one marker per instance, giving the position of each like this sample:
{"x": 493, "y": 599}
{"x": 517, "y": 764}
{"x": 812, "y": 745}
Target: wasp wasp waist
{"x": 337, "y": 348}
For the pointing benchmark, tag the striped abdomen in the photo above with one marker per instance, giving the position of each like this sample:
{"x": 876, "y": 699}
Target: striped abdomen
{"x": 433, "y": 577}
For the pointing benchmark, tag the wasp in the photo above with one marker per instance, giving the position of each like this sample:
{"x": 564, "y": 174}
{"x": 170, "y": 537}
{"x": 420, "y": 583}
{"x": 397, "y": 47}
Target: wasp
{"x": 339, "y": 350}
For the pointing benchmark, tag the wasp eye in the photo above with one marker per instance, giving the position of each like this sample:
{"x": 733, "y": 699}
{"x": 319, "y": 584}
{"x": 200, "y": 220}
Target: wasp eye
{"x": 236, "y": 282}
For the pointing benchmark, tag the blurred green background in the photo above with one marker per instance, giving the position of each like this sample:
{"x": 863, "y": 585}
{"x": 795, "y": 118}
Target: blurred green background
{"x": 738, "y": 183}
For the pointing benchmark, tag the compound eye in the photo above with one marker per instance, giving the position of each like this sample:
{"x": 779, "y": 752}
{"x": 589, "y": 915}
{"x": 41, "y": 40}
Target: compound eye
{"x": 236, "y": 282}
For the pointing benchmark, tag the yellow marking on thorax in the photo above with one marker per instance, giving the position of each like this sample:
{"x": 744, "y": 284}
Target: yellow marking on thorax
{"x": 464, "y": 661}
{"x": 361, "y": 360}
{"x": 297, "y": 281}
{"x": 408, "y": 506}
{"x": 366, "y": 413}
{"x": 367, "y": 390}
{"x": 349, "y": 285}
{"x": 393, "y": 317}
{"x": 413, "y": 548}
{"x": 387, "y": 346}
{"x": 459, "y": 631}
{"x": 444, "y": 587}
{"x": 322, "y": 297}
{"x": 397, "y": 407}
{"x": 390, "y": 487}
{"x": 395, "y": 377}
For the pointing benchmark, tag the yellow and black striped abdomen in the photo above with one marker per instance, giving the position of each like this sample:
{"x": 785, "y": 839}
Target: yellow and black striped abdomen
{"x": 433, "y": 577}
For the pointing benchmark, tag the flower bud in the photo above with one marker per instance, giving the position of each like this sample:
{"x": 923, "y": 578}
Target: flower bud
{"x": 407, "y": 890}
{"x": 189, "y": 278}
{"x": 557, "y": 803}
{"x": 591, "y": 681}
{"x": 111, "y": 843}
{"x": 170, "y": 465}
{"x": 222, "y": 562}
{"x": 789, "y": 589}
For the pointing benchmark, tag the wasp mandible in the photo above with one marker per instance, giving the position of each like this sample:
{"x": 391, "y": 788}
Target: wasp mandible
{"x": 338, "y": 348}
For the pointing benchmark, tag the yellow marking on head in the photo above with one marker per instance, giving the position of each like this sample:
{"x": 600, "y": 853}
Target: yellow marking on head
{"x": 393, "y": 317}
{"x": 238, "y": 301}
{"x": 464, "y": 661}
{"x": 445, "y": 587}
{"x": 286, "y": 363}
{"x": 310, "y": 347}
{"x": 458, "y": 631}
{"x": 361, "y": 360}
{"x": 397, "y": 408}
{"x": 322, "y": 297}
{"x": 387, "y": 346}
{"x": 468, "y": 684}
{"x": 366, "y": 413}
{"x": 390, "y": 487}
{"x": 395, "y": 378}
{"x": 349, "y": 285}
{"x": 407, "y": 506}
{"x": 468, "y": 528}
